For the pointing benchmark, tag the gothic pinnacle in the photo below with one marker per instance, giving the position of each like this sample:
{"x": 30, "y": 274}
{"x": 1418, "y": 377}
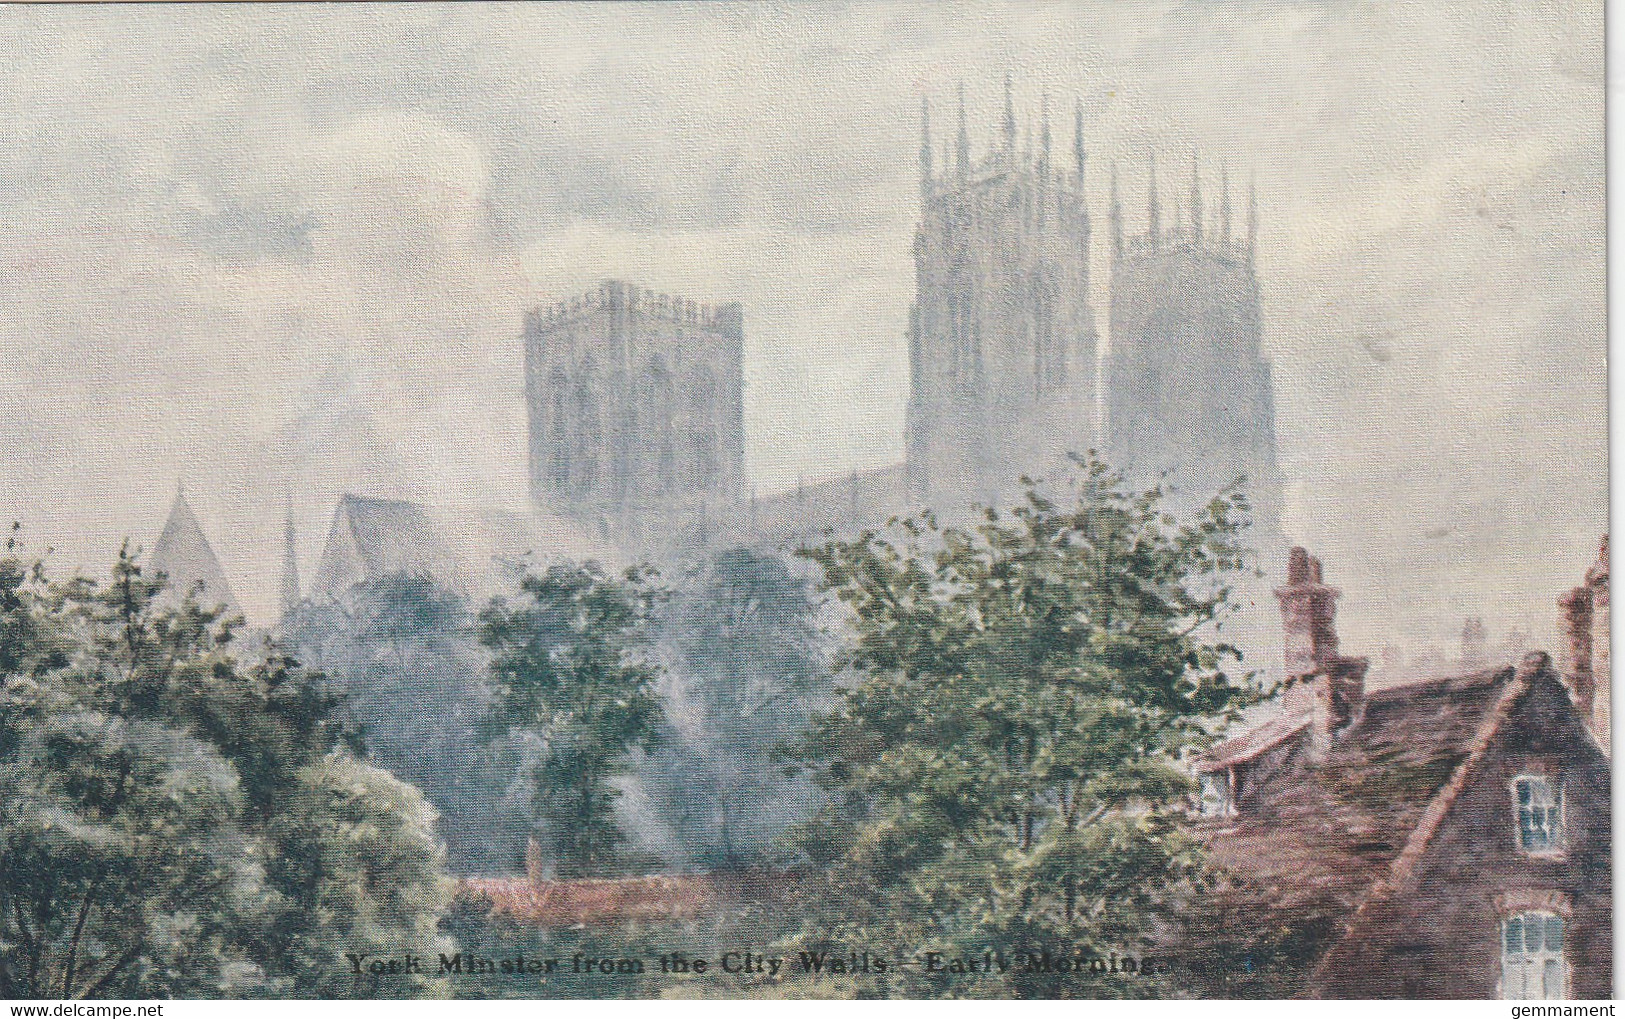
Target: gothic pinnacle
{"x": 925, "y": 145}
{"x": 1077, "y": 140}
{"x": 1114, "y": 212}
{"x": 962, "y": 166}
{"x": 1152, "y": 212}
{"x": 1043, "y": 137}
{"x": 1196, "y": 198}
{"x": 1009, "y": 120}
{"x": 1252, "y": 215}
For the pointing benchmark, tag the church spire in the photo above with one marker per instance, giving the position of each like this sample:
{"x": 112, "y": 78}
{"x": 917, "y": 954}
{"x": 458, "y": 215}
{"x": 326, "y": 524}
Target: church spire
{"x": 290, "y": 566}
{"x": 1043, "y": 136}
{"x": 1224, "y": 204}
{"x": 962, "y": 166}
{"x": 1114, "y": 212}
{"x": 1196, "y": 198}
{"x": 1152, "y": 212}
{"x": 1009, "y": 121}
{"x": 925, "y": 148}
{"x": 1252, "y": 215}
{"x": 1077, "y": 141}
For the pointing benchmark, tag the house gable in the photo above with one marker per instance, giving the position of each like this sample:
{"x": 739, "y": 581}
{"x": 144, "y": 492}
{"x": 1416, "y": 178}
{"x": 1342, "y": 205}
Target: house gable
{"x": 1432, "y": 929}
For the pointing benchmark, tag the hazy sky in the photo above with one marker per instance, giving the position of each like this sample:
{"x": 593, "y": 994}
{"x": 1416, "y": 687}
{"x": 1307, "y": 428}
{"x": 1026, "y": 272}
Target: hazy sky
{"x": 288, "y": 248}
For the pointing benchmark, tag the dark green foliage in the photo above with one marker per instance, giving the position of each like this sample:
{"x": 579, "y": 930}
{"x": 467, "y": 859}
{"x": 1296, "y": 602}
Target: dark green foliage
{"x": 569, "y": 667}
{"x": 151, "y": 791}
{"x": 351, "y": 849}
{"x": 404, "y": 651}
{"x": 1007, "y": 763}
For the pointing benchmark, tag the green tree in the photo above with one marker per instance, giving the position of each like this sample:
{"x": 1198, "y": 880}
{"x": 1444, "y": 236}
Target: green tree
{"x": 747, "y": 670}
{"x": 356, "y": 848}
{"x": 1006, "y": 765}
{"x": 569, "y": 667}
{"x": 404, "y": 651}
{"x": 147, "y": 779}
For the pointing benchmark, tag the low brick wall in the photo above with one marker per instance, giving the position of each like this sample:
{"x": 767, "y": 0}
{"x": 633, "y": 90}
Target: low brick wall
{"x": 614, "y": 900}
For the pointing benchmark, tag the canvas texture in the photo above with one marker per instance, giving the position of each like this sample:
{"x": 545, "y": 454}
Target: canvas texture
{"x": 731, "y": 500}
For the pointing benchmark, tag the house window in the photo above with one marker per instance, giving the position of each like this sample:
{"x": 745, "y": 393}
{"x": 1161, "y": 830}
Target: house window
{"x": 1532, "y": 957}
{"x": 1216, "y": 795}
{"x": 1539, "y": 805}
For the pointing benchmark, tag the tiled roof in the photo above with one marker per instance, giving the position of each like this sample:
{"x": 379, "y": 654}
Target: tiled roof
{"x": 1248, "y": 745}
{"x": 392, "y": 536}
{"x": 1324, "y": 833}
{"x": 373, "y": 538}
{"x": 664, "y": 897}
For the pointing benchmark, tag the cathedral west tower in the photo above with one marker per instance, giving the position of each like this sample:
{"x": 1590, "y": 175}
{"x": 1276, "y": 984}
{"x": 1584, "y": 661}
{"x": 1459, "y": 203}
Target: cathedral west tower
{"x": 1001, "y": 339}
{"x": 1188, "y": 393}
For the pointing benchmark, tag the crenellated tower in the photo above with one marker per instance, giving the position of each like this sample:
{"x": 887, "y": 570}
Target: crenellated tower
{"x": 1001, "y": 338}
{"x": 636, "y": 404}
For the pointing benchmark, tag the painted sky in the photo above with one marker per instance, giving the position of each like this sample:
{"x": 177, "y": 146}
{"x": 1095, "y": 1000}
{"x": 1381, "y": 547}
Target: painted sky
{"x": 287, "y": 249}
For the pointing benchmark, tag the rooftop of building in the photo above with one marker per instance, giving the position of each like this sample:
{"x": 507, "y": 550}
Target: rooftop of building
{"x": 386, "y": 536}
{"x": 1326, "y": 832}
{"x": 184, "y": 555}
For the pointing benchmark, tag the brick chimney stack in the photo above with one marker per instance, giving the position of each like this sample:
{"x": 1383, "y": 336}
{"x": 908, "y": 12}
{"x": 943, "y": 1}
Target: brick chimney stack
{"x": 1587, "y": 662}
{"x": 1576, "y": 622}
{"x": 1309, "y": 615}
{"x": 1320, "y": 681}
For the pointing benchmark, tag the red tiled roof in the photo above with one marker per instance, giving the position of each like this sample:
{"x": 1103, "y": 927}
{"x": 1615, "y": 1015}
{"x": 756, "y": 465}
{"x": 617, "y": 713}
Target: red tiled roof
{"x": 1324, "y": 833}
{"x": 566, "y": 903}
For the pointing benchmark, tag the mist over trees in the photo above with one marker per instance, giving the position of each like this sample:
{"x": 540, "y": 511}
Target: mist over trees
{"x": 738, "y": 665}
{"x": 747, "y": 667}
{"x": 404, "y": 651}
{"x": 569, "y": 669}
{"x": 1007, "y": 767}
{"x": 941, "y": 738}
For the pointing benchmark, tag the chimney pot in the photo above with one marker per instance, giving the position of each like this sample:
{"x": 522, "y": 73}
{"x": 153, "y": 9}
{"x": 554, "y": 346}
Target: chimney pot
{"x": 1297, "y": 566}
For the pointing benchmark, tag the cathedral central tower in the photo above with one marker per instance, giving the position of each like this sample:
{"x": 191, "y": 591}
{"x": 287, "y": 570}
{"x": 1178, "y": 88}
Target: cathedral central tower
{"x": 636, "y": 411}
{"x": 1001, "y": 336}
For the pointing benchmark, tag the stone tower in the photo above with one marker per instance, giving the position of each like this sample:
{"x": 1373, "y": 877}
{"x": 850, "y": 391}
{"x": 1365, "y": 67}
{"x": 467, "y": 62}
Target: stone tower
{"x": 636, "y": 411}
{"x": 1188, "y": 393}
{"x": 1001, "y": 336}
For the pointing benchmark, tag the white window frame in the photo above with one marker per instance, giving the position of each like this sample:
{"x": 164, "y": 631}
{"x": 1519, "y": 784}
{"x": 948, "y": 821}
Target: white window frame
{"x": 1556, "y": 813}
{"x": 1221, "y": 802}
{"x": 1527, "y": 973}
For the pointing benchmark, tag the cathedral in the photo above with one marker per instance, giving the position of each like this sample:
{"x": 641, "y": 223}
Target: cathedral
{"x": 635, "y": 399}
{"x": 1002, "y": 338}
{"x": 1188, "y": 398}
